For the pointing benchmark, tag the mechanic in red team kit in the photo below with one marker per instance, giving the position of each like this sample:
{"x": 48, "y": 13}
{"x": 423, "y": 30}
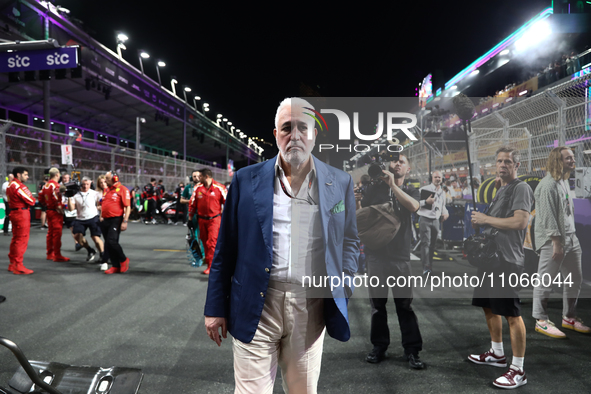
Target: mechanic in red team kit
{"x": 207, "y": 202}
{"x": 20, "y": 200}
{"x": 115, "y": 210}
{"x": 52, "y": 199}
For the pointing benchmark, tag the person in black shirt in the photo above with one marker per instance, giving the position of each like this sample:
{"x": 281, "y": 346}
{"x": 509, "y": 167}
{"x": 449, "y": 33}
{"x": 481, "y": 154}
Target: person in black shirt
{"x": 393, "y": 260}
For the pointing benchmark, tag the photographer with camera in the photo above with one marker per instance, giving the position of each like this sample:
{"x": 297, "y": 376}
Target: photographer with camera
{"x": 432, "y": 211}
{"x": 85, "y": 202}
{"x": 506, "y": 221}
{"x": 69, "y": 216}
{"x": 52, "y": 198}
{"x": 393, "y": 259}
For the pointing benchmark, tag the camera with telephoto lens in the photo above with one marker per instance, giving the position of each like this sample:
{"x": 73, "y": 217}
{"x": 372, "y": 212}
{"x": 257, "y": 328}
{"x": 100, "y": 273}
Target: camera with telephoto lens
{"x": 375, "y": 169}
{"x": 72, "y": 188}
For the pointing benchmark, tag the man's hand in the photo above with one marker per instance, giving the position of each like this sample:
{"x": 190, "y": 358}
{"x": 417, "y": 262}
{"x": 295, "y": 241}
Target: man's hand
{"x": 388, "y": 178}
{"x": 478, "y": 218}
{"x": 358, "y": 197}
{"x": 558, "y": 252}
{"x": 445, "y": 216}
{"x": 212, "y": 324}
{"x": 430, "y": 200}
{"x": 123, "y": 226}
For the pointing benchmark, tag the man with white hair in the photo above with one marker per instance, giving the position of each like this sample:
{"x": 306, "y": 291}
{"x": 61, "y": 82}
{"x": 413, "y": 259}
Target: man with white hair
{"x": 86, "y": 203}
{"x": 284, "y": 219}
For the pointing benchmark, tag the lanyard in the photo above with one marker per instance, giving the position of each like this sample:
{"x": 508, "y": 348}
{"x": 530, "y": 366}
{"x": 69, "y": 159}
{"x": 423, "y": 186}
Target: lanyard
{"x": 295, "y": 198}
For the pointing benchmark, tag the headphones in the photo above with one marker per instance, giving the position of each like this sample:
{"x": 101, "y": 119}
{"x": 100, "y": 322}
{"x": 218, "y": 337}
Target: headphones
{"x": 115, "y": 176}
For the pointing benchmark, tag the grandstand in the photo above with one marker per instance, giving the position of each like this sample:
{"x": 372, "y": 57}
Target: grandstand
{"x": 516, "y": 102}
{"x": 96, "y": 106}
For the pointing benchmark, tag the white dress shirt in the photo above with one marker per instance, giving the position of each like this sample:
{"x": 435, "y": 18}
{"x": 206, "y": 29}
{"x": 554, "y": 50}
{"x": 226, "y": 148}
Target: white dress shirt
{"x": 297, "y": 230}
{"x": 438, "y": 207}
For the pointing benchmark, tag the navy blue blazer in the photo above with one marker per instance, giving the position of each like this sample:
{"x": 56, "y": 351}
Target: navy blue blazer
{"x": 242, "y": 262}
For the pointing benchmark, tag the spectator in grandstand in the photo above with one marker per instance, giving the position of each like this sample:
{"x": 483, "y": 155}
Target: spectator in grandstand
{"x": 85, "y": 203}
{"x": 569, "y": 65}
{"x": 557, "y": 244}
{"x": 557, "y": 69}
{"x": 575, "y": 62}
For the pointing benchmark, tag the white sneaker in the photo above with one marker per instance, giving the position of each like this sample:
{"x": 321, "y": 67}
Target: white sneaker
{"x": 169, "y": 221}
{"x": 104, "y": 266}
{"x": 153, "y": 221}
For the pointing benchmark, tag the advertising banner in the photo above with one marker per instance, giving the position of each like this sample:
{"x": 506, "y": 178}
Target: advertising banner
{"x": 42, "y": 59}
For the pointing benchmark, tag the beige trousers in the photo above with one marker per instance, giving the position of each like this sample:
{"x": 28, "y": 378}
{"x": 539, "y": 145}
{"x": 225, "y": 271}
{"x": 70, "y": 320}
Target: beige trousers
{"x": 290, "y": 334}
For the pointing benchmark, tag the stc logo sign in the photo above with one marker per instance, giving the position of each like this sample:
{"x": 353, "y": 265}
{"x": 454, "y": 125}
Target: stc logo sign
{"x": 45, "y": 59}
{"x": 25, "y": 61}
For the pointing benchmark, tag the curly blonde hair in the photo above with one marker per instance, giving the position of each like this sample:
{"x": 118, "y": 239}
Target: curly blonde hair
{"x": 554, "y": 166}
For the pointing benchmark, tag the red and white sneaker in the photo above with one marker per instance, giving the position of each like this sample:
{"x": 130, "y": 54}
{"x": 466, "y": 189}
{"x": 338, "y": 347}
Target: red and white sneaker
{"x": 489, "y": 358}
{"x": 511, "y": 379}
{"x": 574, "y": 323}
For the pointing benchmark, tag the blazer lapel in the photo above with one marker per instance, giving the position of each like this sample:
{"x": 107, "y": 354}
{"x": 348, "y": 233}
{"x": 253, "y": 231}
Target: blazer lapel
{"x": 326, "y": 191}
{"x": 263, "y": 186}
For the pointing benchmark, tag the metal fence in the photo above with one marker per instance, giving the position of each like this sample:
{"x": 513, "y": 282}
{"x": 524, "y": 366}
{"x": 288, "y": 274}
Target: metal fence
{"x": 535, "y": 125}
{"x": 22, "y": 145}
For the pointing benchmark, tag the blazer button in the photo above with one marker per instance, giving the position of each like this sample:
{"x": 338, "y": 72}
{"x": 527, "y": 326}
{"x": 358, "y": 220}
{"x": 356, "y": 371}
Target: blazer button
{"x": 267, "y": 270}
{"x": 262, "y": 294}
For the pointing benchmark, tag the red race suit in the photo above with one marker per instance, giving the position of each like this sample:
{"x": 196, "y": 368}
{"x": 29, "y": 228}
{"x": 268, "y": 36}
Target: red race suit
{"x": 207, "y": 204}
{"x": 51, "y": 197}
{"x": 19, "y": 200}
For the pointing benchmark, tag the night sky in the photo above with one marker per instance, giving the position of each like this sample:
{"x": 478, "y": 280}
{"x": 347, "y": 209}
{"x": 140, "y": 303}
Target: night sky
{"x": 244, "y": 59}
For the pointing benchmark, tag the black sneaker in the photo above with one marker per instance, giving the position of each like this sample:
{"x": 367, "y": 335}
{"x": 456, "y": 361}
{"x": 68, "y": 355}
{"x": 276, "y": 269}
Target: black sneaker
{"x": 376, "y": 355}
{"x": 415, "y": 362}
{"x": 91, "y": 254}
{"x": 78, "y": 247}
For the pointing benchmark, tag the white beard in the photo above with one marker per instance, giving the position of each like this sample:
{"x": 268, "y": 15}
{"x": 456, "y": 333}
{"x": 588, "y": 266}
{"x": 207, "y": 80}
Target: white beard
{"x": 295, "y": 157}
